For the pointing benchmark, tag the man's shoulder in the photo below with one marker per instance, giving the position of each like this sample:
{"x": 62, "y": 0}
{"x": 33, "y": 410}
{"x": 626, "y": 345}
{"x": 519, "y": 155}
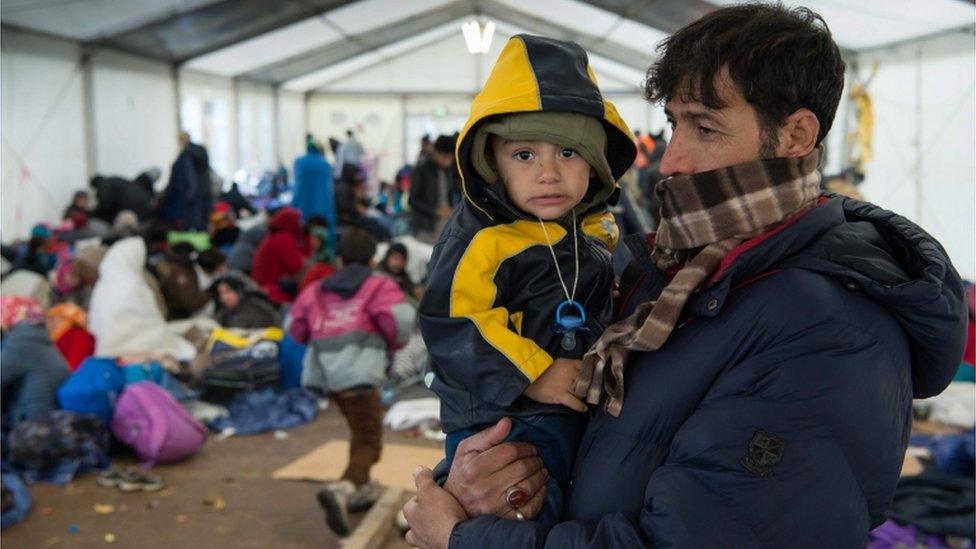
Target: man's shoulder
{"x": 781, "y": 298}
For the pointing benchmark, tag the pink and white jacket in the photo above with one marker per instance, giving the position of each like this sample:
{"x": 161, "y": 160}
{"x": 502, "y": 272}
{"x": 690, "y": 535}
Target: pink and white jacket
{"x": 351, "y": 322}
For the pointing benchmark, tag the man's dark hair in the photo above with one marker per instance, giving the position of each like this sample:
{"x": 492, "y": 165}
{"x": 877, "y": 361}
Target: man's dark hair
{"x": 316, "y": 221}
{"x": 211, "y": 259}
{"x": 183, "y": 249}
{"x": 445, "y": 143}
{"x": 781, "y": 59}
{"x": 357, "y": 246}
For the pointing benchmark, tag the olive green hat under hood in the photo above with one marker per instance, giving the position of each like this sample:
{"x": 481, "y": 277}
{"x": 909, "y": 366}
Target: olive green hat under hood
{"x": 582, "y": 133}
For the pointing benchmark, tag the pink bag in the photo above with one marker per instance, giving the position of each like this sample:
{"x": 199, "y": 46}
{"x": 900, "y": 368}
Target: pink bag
{"x": 150, "y": 420}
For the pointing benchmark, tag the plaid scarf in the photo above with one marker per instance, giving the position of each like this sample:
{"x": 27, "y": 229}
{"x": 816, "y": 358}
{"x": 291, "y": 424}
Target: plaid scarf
{"x": 703, "y": 217}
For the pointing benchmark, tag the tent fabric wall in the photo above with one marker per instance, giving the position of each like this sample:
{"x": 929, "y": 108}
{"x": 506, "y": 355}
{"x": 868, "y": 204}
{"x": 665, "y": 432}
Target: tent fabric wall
{"x": 924, "y": 166}
{"x": 43, "y": 148}
{"x": 134, "y": 115}
{"x": 255, "y": 128}
{"x": 376, "y": 121}
{"x": 923, "y": 98}
{"x": 208, "y": 107}
{"x": 291, "y": 127}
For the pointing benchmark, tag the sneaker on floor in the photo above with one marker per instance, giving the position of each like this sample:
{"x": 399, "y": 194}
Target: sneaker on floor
{"x": 364, "y": 497}
{"x": 134, "y": 480}
{"x": 109, "y": 478}
{"x": 334, "y": 499}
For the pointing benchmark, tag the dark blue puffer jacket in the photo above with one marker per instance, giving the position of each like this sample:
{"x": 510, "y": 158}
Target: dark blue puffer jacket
{"x": 778, "y": 412}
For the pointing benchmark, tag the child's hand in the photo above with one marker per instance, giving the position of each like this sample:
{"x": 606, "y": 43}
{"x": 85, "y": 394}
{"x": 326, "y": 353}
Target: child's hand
{"x": 555, "y": 384}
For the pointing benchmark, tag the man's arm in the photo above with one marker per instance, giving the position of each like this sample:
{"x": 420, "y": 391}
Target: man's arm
{"x": 788, "y": 449}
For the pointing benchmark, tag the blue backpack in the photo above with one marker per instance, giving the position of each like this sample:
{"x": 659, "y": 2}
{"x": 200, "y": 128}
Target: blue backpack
{"x": 93, "y": 388}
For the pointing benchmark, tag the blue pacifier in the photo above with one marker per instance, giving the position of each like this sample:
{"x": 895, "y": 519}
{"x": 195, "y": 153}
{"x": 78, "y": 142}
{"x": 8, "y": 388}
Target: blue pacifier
{"x": 568, "y": 321}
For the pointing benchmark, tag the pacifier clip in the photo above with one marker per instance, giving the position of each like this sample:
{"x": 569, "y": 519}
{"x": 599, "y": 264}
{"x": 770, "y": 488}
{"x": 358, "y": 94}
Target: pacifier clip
{"x": 570, "y": 315}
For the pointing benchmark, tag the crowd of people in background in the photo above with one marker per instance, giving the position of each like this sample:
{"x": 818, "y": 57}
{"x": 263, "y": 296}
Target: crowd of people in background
{"x": 143, "y": 271}
{"x": 135, "y": 272}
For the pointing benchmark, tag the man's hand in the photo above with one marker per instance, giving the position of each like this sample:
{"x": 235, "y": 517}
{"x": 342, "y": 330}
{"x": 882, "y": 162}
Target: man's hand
{"x": 555, "y": 385}
{"x": 485, "y": 468}
{"x": 432, "y": 513}
{"x": 444, "y": 212}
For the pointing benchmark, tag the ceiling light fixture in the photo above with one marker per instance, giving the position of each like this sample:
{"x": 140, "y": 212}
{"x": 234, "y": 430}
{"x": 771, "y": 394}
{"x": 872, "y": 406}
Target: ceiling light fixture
{"x": 477, "y": 38}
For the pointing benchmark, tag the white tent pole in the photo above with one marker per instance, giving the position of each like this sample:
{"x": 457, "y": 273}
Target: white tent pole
{"x": 403, "y": 129}
{"x": 88, "y": 104}
{"x": 919, "y": 196}
{"x": 305, "y": 126}
{"x": 307, "y": 122}
{"x": 178, "y": 98}
{"x": 236, "y": 137}
{"x": 850, "y": 112}
{"x": 276, "y": 124}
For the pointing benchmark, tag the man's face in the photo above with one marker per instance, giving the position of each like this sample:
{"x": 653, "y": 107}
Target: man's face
{"x": 705, "y": 139}
{"x": 443, "y": 159}
{"x": 541, "y": 178}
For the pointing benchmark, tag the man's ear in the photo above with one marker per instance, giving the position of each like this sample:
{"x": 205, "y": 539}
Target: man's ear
{"x": 798, "y": 134}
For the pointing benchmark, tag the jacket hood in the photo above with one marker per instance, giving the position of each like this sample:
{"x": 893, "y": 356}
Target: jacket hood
{"x": 347, "y": 281}
{"x": 889, "y": 258}
{"x": 254, "y": 235}
{"x": 900, "y": 265}
{"x": 287, "y": 220}
{"x": 532, "y": 74}
{"x": 127, "y": 257}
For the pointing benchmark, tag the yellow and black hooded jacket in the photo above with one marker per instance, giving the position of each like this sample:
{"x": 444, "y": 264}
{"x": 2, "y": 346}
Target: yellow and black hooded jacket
{"x": 487, "y": 316}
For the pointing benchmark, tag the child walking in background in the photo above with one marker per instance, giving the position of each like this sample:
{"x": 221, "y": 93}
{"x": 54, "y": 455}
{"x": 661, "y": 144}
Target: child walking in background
{"x": 521, "y": 278}
{"x": 351, "y": 322}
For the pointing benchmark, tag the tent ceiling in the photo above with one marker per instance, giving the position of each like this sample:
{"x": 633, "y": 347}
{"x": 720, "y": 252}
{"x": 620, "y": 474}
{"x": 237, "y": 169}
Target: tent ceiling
{"x": 214, "y": 26}
{"x": 407, "y": 70}
{"x": 288, "y": 40}
{"x": 866, "y": 24}
{"x": 368, "y": 59}
{"x": 351, "y": 45}
{"x": 347, "y": 46}
{"x": 92, "y": 19}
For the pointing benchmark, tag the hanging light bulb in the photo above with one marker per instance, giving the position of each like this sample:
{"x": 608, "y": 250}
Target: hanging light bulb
{"x": 477, "y": 39}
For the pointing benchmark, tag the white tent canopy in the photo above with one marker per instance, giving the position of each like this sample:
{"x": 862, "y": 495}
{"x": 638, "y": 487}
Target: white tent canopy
{"x": 100, "y": 86}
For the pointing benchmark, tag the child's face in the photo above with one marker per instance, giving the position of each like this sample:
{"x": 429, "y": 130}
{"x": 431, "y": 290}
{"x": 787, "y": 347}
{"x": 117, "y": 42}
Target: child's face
{"x": 228, "y": 297}
{"x": 541, "y": 178}
{"x": 396, "y": 262}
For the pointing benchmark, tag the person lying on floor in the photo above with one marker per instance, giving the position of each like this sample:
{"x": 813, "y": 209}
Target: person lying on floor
{"x": 31, "y": 367}
{"x": 241, "y": 304}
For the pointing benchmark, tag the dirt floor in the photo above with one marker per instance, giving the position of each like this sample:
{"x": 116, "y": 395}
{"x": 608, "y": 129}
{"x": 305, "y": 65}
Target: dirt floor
{"x": 259, "y": 511}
